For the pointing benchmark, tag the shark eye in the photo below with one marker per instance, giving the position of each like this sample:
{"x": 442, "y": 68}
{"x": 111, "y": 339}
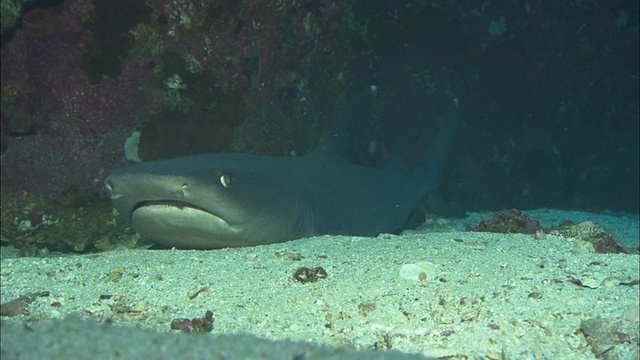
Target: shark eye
{"x": 225, "y": 180}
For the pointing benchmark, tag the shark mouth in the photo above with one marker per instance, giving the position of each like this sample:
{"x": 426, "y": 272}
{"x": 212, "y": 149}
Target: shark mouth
{"x": 172, "y": 214}
{"x": 180, "y": 224}
{"x": 174, "y": 208}
{"x": 169, "y": 204}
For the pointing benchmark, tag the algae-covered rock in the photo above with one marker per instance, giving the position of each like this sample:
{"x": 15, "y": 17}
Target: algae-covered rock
{"x": 11, "y": 11}
{"x": 596, "y": 234}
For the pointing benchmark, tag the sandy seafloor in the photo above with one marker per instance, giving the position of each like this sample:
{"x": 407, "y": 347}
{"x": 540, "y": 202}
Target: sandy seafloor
{"x": 480, "y": 296}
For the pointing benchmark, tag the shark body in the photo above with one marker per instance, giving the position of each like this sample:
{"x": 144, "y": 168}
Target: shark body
{"x": 229, "y": 200}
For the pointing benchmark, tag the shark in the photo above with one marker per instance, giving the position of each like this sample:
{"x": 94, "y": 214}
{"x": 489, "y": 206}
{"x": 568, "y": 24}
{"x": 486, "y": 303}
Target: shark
{"x": 220, "y": 200}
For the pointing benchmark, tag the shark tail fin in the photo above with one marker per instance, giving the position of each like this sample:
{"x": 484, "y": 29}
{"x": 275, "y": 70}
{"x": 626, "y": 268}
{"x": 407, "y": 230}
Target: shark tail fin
{"x": 427, "y": 174}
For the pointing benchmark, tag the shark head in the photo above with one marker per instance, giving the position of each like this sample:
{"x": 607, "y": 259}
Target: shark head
{"x": 208, "y": 201}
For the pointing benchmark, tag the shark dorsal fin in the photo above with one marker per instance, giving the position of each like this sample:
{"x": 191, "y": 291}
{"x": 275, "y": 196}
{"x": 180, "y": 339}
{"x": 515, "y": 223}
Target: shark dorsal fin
{"x": 338, "y": 138}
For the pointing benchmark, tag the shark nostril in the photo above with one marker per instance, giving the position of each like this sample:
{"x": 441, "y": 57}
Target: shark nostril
{"x": 183, "y": 190}
{"x": 111, "y": 194}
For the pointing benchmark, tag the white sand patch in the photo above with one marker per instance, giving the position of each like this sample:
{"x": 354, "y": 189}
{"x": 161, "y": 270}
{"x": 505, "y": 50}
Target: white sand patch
{"x": 487, "y": 295}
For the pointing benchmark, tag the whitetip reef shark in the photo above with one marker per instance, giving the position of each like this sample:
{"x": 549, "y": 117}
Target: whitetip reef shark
{"x": 229, "y": 200}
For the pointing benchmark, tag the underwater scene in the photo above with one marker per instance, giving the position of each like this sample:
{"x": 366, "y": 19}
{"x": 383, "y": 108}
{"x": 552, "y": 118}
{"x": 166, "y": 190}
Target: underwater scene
{"x": 311, "y": 179}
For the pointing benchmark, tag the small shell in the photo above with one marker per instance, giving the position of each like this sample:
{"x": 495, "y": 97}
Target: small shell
{"x": 418, "y": 272}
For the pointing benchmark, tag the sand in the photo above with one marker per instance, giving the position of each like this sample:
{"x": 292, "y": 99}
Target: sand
{"x": 459, "y": 295}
